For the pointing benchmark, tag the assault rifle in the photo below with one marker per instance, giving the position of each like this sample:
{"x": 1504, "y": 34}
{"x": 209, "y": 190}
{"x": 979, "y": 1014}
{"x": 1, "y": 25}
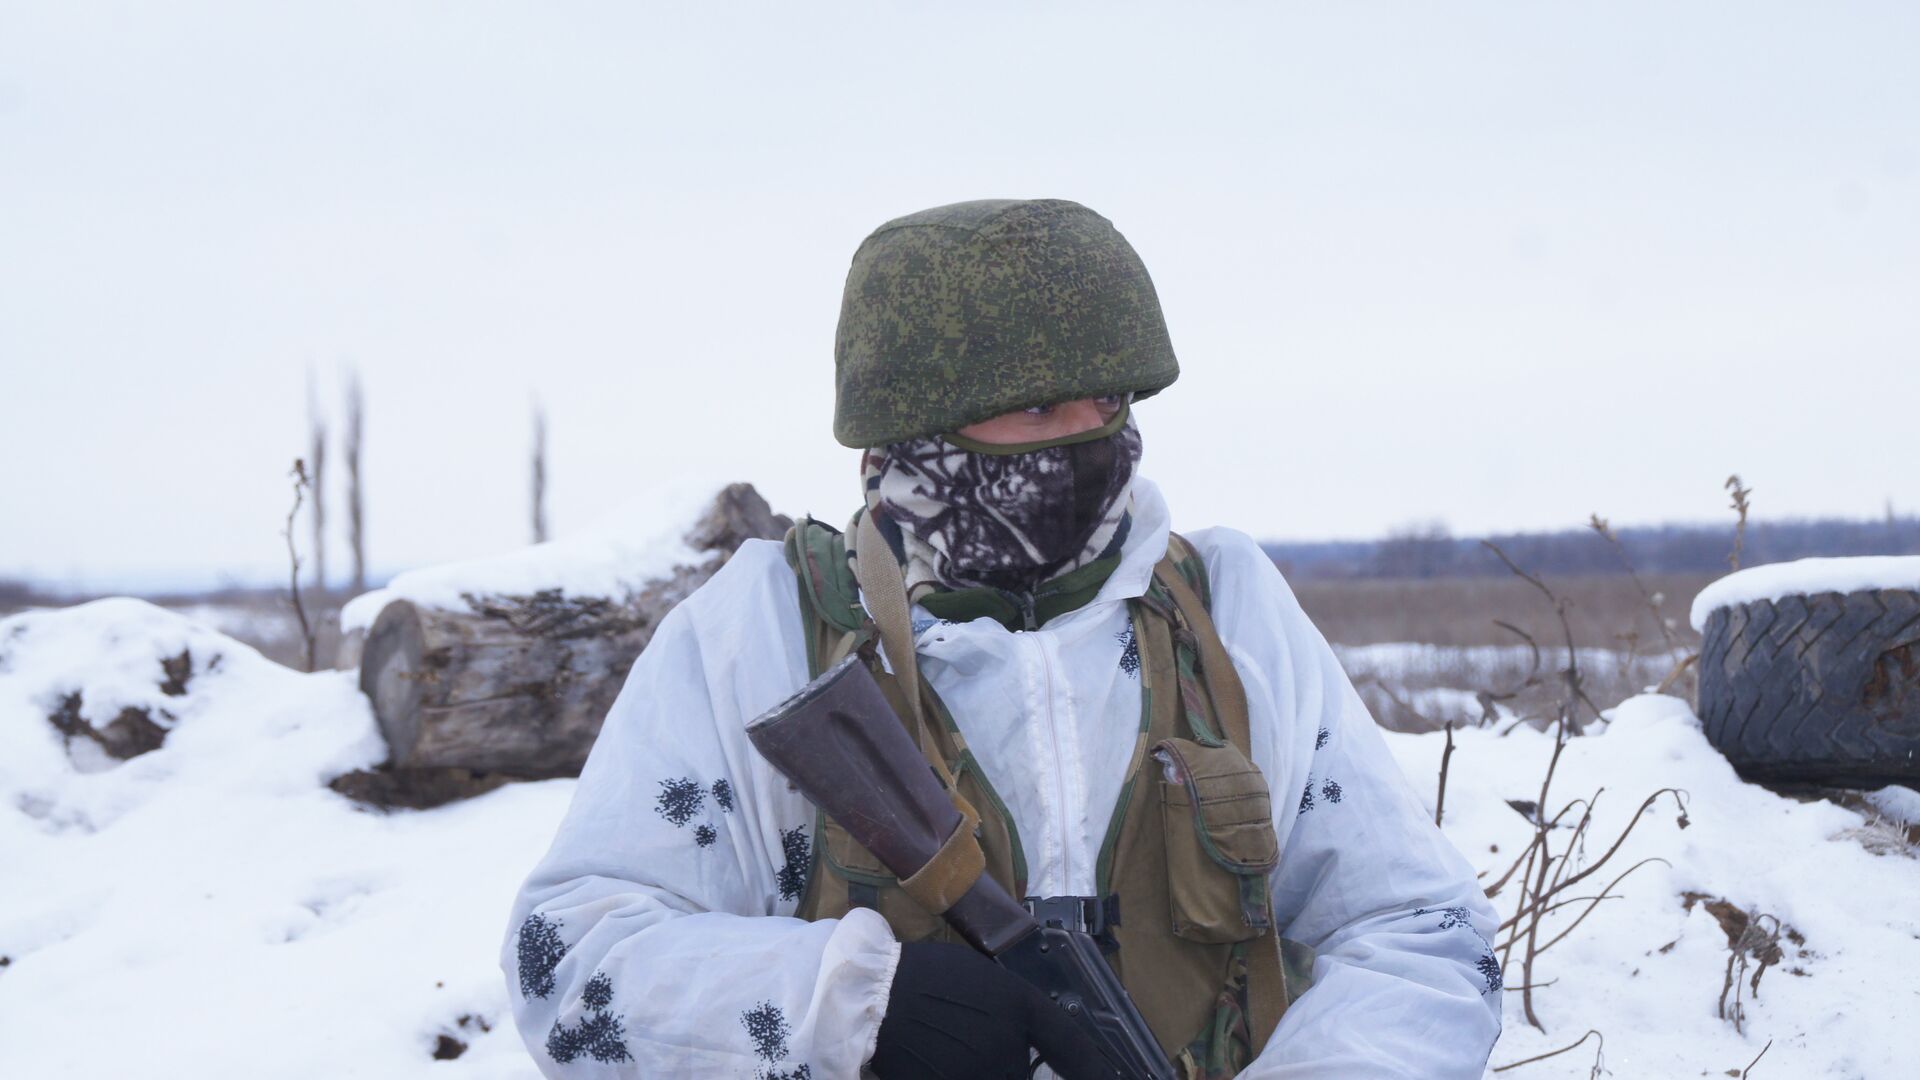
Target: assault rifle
{"x": 842, "y": 745}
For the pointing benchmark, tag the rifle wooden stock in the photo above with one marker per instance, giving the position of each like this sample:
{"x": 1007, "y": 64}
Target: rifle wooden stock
{"x": 841, "y": 744}
{"x": 839, "y": 741}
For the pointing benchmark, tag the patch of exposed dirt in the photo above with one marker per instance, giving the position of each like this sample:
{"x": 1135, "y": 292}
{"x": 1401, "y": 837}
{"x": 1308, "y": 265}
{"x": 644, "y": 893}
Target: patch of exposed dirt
{"x": 134, "y": 731}
{"x": 1753, "y": 942}
{"x": 127, "y": 735}
{"x": 179, "y": 672}
{"x": 1735, "y": 921}
{"x": 446, "y": 1047}
{"x": 415, "y": 789}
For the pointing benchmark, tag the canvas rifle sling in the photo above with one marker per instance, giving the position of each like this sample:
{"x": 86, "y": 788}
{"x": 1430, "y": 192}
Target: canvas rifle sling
{"x": 960, "y": 861}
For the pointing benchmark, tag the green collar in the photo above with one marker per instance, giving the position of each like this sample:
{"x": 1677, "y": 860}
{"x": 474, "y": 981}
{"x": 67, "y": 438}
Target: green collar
{"x": 1018, "y": 611}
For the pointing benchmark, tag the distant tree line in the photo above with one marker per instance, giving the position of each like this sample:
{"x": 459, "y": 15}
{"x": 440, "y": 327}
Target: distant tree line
{"x": 1429, "y": 550}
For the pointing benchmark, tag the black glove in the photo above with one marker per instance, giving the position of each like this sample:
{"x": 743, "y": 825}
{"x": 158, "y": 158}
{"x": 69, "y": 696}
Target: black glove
{"x": 956, "y": 1015}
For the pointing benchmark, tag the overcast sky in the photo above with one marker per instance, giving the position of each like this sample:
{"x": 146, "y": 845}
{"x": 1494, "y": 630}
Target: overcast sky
{"x": 1501, "y": 265}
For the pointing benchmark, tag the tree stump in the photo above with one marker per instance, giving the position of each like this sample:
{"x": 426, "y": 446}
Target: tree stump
{"x": 519, "y": 684}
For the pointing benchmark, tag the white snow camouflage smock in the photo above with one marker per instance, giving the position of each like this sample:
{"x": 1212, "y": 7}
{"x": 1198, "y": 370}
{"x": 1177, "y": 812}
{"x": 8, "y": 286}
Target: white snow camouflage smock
{"x": 656, "y": 937}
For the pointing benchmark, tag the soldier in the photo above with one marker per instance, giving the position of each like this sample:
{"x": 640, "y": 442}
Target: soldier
{"x": 1158, "y": 739}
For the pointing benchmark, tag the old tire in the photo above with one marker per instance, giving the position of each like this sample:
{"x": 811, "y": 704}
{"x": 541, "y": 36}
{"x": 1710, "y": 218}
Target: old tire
{"x": 1821, "y": 689}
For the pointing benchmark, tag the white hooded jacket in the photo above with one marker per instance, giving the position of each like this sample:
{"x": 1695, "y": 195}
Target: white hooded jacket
{"x": 656, "y": 937}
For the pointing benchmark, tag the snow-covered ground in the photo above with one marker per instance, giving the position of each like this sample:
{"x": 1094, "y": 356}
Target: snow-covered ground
{"x": 1403, "y": 661}
{"x": 1418, "y": 686}
{"x": 211, "y": 909}
{"x": 1646, "y": 970}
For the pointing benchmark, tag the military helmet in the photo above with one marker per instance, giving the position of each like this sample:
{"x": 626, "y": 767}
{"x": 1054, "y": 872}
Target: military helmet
{"x": 963, "y": 312}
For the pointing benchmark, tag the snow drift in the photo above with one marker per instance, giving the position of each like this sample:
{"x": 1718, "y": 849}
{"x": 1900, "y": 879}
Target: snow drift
{"x": 1647, "y": 969}
{"x": 209, "y": 909}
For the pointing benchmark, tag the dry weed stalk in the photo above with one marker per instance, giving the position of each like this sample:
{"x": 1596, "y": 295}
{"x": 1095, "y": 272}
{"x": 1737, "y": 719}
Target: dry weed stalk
{"x": 300, "y": 485}
{"x": 1548, "y": 873}
{"x": 356, "y": 513}
{"x": 1679, "y": 669}
{"x": 1440, "y": 798}
{"x": 1599, "y": 525}
{"x": 317, "y": 455}
{"x": 1488, "y": 698}
{"x": 1676, "y": 653}
{"x": 1446, "y": 756}
{"x": 1756, "y": 945}
{"x": 1387, "y": 688}
{"x": 1599, "y": 1062}
{"x": 1740, "y": 507}
{"x": 1576, "y": 695}
{"x": 539, "y": 474}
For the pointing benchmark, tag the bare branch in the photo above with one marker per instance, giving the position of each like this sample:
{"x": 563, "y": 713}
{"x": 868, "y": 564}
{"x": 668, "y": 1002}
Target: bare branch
{"x": 1678, "y": 670}
{"x": 1679, "y": 796}
{"x": 1599, "y": 525}
{"x": 1488, "y": 714}
{"x": 299, "y": 474}
{"x": 1605, "y": 894}
{"x": 1387, "y": 689}
{"x": 1575, "y": 695}
{"x": 1591, "y": 1034}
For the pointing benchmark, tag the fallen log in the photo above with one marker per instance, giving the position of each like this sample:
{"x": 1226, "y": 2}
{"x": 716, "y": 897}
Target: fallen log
{"x": 518, "y": 683}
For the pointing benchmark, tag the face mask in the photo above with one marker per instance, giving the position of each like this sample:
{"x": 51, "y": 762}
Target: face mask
{"x": 1008, "y": 517}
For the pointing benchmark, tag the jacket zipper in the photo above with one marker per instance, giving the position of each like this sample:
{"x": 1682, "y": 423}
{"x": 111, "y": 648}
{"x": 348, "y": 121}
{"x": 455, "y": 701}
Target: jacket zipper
{"x": 1057, "y": 768}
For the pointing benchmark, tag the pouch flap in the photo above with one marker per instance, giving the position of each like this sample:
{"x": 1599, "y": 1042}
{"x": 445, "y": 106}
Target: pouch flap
{"x": 1227, "y": 794}
{"x": 817, "y": 553}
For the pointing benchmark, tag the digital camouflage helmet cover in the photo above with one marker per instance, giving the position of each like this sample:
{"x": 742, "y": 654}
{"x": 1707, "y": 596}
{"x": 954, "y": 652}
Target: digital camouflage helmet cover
{"x": 963, "y": 312}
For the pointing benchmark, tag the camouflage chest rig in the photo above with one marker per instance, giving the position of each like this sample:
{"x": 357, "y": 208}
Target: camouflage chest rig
{"x": 1183, "y": 906}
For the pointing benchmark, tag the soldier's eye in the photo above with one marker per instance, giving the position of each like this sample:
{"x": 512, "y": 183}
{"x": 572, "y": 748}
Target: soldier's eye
{"x": 1038, "y": 410}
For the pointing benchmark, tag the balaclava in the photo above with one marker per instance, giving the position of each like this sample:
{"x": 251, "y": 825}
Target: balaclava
{"x": 967, "y": 514}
